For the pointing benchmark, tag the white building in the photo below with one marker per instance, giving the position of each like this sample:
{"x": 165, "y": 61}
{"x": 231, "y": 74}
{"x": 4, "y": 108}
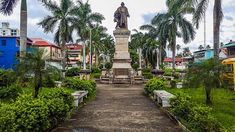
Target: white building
{"x": 5, "y": 30}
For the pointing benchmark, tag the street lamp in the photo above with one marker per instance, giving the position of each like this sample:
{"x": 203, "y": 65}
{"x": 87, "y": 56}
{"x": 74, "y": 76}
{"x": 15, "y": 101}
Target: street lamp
{"x": 90, "y": 50}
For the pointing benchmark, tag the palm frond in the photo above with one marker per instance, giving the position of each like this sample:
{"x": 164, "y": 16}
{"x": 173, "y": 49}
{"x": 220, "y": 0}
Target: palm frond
{"x": 6, "y": 6}
{"x": 200, "y": 12}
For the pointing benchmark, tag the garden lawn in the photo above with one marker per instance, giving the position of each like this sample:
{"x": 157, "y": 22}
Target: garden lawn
{"x": 223, "y": 107}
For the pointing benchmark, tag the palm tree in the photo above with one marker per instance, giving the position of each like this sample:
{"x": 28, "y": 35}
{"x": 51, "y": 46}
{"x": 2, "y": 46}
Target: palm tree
{"x": 173, "y": 24}
{"x": 6, "y": 8}
{"x": 217, "y": 18}
{"x": 186, "y": 51}
{"x": 35, "y": 63}
{"x": 200, "y": 47}
{"x": 98, "y": 33}
{"x": 85, "y": 20}
{"x": 153, "y": 32}
{"x": 61, "y": 18}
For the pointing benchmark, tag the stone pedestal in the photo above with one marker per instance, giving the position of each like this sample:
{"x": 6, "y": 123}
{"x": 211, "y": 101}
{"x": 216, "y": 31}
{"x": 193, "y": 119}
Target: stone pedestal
{"x": 122, "y": 61}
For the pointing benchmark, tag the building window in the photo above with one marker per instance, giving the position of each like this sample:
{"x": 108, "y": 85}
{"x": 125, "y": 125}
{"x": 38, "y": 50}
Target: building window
{"x": 13, "y": 32}
{"x": 4, "y": 32}
{"x": 4, "y": 42}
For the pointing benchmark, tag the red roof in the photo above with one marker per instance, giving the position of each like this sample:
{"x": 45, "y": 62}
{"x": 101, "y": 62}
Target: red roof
{"x": 42, "y": 43}
{"x": 74, "y": 46}
{"x": 176, "y": 60}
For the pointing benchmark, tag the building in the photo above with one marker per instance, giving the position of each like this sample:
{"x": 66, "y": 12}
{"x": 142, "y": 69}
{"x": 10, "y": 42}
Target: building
{"x": 9, "y": 51}
{"x": 180, "y": 63}
{"x": 203, "y": 55}
{"x": 74, "y": 56}
{"x": 227, "y": 50}
{"x": 52, "y": 52}
{"x": 5, "y": 30}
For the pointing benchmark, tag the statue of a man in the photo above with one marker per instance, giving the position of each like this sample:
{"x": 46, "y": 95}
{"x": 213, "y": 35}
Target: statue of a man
{"x": 120, "y": 16}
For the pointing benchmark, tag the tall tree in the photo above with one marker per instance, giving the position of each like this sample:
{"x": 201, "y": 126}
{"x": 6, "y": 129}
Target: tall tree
{"x": 201, "y": 7}
{"x": 173, "y": 24}
{"x": 6, "y": 7}
{"x": 61, "y": 19}
{"x": 85, "y": 21}
{"x": 178, "y": 47}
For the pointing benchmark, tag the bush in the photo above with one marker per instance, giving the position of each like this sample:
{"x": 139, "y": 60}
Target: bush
{"x": 31, "y": 114}
{"x": 77, "y": 84}
{"x": 72, "y": 72}
{"x": 60, "y": 103}
{"x": 147, "y": 73}
{"x": 154, "y": 84}
{"x": 198, "y": 117}
{"x": 96, "y": 75}
{"x": 48, "y": 82}
{"x": 11, "y": 92}
{"x": 108, "y": 65}
{"x": 7, "y": 77}
{"x": 95, "y": 70}
{"x": 41, "y": 114}
{"x": 135, "y": 66}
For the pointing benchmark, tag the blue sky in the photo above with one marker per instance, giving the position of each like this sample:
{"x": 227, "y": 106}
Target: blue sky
{"x": 141, "y": 12}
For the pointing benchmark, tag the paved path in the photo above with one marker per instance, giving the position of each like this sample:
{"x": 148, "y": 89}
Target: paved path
{"x": 124, "y": 109}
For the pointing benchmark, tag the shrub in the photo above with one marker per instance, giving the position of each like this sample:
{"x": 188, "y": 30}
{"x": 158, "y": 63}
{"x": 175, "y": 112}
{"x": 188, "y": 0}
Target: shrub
{"x": 7, "y": 77}
{"x": 31, "y": 114}
{"x": 8, "y": 117}
{"x": 10, "y": 92}
{"x": 154, "y": 84}
{"x": 48, "y": 82}
{"x": 72, "y": 72}
{"x": 77, "y": 84}
{"x": 96, "y": 75}
{"x": 95, "y": 70}
{"x": 108, "y": 65}
{"x": 198, "y": 117}
{"x": 148, "y": 75}
{"x": 41, "y": 114}
{"x": 60, "y": 104}
{"x": 135, "y": 66}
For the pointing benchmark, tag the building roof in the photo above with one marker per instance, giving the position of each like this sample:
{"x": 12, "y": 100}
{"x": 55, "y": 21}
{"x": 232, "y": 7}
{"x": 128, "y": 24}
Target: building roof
{"x": 176, "y": 60}
{"x": 230, "y": 44}
{"x": 74, "y": 46}
{"x": 43, "y": 43}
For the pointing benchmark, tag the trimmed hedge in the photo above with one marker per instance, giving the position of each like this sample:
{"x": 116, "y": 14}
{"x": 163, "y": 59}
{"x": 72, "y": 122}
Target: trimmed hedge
{"x": 198, "y": 117}
{"x": 41, "y": 114}
{"x": 154, "y": 84}
{"x": 77, "y": 84}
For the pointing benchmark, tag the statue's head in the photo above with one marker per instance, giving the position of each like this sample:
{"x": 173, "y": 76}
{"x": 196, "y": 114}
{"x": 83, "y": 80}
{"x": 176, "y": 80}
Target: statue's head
{"x": 122, "y": 4}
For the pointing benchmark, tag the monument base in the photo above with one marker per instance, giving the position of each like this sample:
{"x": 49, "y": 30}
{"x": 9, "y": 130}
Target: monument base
{"x": 122, "y": 70}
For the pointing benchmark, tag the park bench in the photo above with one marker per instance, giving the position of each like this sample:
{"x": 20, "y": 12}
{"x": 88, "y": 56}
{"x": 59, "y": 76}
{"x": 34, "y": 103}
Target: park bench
{"x": 163, "y": 97}
{"x": 79, "y": 96}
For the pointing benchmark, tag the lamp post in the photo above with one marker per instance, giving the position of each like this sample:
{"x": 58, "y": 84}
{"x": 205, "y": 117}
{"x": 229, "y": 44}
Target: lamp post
{"x": 90, "y": 51}
{"x": 84, "y": 56}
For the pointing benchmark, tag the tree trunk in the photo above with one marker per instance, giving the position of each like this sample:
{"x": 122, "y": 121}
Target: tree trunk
{"x": 37, "y": 83}
{"x": 216, "y": 23}
{"x": 23, "y": 28}
{"x": 96, "y": 58}
{"x": 173, "y": 53}
{"x": 84, "y": 55}
{"x": 208, "y": 95}
{"x": 64, "y": 59}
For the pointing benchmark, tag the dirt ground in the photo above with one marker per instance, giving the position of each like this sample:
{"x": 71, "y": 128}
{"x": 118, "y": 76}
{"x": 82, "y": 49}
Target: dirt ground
{"x": 119, "y": 109}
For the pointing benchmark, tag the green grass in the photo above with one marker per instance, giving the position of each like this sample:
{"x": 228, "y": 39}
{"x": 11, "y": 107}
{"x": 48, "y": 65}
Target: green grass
{"x": 223, "y": 104}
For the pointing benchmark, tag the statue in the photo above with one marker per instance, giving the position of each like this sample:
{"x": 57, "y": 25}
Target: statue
{"x": 120, "y": 16}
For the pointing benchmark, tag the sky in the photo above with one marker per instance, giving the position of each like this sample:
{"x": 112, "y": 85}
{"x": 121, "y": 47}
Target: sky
{"x": 141, "y": 12}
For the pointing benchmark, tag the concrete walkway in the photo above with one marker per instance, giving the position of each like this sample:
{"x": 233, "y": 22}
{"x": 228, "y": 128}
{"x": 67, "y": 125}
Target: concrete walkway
{"x": 119, "y": 109}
